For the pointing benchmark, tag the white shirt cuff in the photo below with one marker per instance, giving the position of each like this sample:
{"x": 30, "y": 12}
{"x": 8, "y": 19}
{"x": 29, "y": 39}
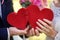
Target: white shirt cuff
{"x": 57, "y": 37}
{"x": 8, "y": 34}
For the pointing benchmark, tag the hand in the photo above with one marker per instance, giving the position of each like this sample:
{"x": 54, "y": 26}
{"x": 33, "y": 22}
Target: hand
{"x": 46, "y": 27}
{"x": 15, "y": 31}
{"x": 32, "y": 32}
{"x": 2, "y": 1}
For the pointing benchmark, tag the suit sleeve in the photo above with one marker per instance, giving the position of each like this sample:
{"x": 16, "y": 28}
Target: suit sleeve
{"x": 3, "y": 34}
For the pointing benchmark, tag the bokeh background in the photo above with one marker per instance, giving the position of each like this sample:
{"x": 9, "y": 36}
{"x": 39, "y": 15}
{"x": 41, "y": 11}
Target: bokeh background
{"x": 16, "y": 7}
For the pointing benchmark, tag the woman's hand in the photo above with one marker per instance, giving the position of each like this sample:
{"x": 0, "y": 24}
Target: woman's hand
{"x": 32, "y": 32}
{"x": 46, "y": 27}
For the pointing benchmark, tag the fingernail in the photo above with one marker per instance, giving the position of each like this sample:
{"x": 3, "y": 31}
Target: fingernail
{"x": 32, "y": 28}
{"x": 43, "y": 19}
{"x": 36, "y": 27}
{"x": 36, "y": 22}
{"x": 38, "y": 19}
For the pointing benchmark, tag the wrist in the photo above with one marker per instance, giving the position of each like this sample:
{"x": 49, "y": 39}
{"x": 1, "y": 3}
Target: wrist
{"x": 55, "y": 33}
{"x": 10, "y": 32}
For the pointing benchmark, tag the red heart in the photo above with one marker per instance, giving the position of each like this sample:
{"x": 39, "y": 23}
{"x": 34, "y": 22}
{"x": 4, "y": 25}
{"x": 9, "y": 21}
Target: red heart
{"x": 18, "y": 19}
{"x": 35, "y": 13}
{"x": 30, "y": 14}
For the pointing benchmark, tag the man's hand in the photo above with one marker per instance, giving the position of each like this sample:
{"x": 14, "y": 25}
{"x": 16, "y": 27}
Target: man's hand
{"x": 15, "y": 31}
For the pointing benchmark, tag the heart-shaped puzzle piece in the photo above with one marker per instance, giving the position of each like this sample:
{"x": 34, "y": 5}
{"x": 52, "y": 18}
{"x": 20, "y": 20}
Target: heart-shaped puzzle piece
{"x": 31, "y": 14}
{"x": 35, "y": 14}
{"x": 18, "y": 19}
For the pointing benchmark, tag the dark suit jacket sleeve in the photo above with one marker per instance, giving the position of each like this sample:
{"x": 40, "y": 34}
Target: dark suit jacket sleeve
{"x": 3, "y": 34}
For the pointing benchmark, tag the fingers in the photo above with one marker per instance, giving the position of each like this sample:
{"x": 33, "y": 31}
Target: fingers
{"x": 27, "y": 28}
{"x": 42, "y": 31}
{"x": 2, "y": 1}
{"x": 22, "y": 32}
{"x": 25, "y": 31}
{"x": 33, "y": 32}
{"x": 44, "y": 24}
{"x": 15, "y": 31}
{"x": 45, "y": 28}
{"x": 42, "y": 27}
{"x": 37, "y": 32}
{"x": 30, "y": 33}
{"x": 49, "y": 22}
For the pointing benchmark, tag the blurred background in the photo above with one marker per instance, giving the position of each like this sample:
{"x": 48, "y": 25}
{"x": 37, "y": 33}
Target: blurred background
{"x": 16, "y": 7}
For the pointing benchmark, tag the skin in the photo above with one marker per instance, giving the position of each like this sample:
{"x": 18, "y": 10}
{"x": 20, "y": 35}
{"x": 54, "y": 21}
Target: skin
{"x": 45, "y": 28}
{"x": 28, "y": 31}
{"x": 57, "y": 3}
{"x": 2, "y": 1}
{"x": 14, "y": 31}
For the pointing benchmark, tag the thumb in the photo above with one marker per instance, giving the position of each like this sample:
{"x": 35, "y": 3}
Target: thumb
{"x": 24, "y": 31}
{"x": 27, "y": 28}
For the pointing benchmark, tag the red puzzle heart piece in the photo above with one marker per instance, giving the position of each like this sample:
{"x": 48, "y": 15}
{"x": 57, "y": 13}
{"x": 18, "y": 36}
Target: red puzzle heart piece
{"x": 35, "y": 14}
{"x": 30, "y": 14}
{"x": 18, "y": 19}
